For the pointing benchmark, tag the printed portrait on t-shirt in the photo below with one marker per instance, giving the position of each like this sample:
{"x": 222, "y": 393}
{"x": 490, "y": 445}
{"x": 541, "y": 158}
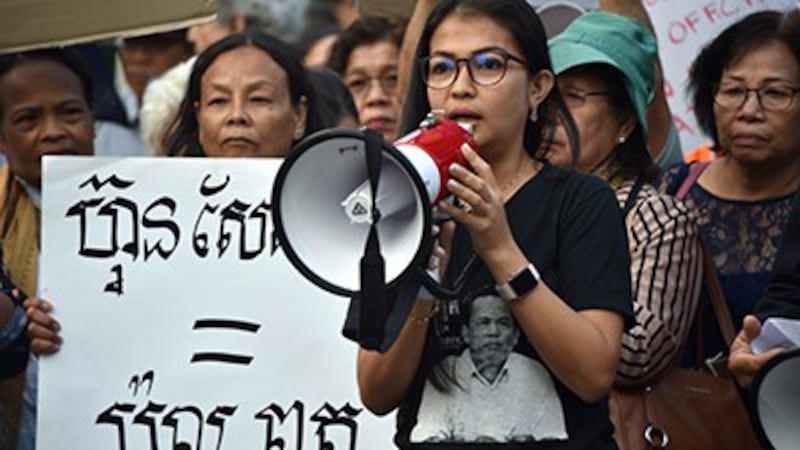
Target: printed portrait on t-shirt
{"x": 488, "y": 392}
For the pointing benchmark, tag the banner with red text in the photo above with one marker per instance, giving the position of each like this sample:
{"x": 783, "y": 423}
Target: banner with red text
{"x": 683, "y": 27}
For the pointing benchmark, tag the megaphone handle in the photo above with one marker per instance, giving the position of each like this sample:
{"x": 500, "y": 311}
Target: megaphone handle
{"x": 374, "y": 298}
{"x": 437, "y": 289}
{"x": 461, "y": 283}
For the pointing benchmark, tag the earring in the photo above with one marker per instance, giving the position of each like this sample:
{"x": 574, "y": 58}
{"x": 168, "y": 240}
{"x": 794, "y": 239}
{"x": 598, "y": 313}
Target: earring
{"x": 534, "y": 115}
{"x": 621, "y": 139}
{"x": 298, "y": 133}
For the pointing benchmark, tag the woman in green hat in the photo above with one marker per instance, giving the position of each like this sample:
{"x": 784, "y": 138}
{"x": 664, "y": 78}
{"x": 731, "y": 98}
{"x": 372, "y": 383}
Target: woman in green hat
{"x": 605, "y": 70}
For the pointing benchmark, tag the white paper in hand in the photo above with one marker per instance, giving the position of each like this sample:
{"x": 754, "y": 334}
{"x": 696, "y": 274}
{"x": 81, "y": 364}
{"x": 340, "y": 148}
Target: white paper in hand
{"x": 777, "y": 332}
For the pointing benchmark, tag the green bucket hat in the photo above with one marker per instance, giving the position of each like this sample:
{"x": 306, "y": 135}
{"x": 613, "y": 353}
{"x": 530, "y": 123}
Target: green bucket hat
{"x": 621, "y": 42}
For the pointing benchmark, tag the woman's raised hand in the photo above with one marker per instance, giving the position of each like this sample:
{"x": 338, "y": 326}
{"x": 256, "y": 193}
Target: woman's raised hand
{"x": 483, "y": 211}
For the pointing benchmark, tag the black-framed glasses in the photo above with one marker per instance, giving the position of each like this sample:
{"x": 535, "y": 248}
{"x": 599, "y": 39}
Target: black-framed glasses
{"x": 485, "y": 67}
{"x": 577, "y": 97}
{"x": 770, "y": 98}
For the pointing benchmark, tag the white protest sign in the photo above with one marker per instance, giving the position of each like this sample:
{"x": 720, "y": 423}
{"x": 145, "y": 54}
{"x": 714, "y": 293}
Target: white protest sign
{"x": 683, "y": 27}
{"x": 184, "y": 325}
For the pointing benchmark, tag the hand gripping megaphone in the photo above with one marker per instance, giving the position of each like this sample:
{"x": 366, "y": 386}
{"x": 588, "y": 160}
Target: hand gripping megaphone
{"x": 353, "y": 213}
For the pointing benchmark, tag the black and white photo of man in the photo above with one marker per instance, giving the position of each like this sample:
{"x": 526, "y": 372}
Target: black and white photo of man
{"x": 493, "y": 394}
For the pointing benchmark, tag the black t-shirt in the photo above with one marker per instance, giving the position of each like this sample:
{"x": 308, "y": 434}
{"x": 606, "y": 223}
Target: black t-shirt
{"x": 570, "y": 228}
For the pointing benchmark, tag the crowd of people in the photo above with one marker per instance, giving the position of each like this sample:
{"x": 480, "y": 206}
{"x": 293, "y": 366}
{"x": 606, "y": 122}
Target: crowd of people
{"x": 588, "y": 230}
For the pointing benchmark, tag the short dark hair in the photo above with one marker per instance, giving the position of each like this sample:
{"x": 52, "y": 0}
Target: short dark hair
{"x": 527, "y": 30}
{"x": 184, "y": 139}
{"x": 733, "y": 43}
{"x": 67, "y": 57}
{"x": 333, "y": 97}
{"x": 366, "y": 30}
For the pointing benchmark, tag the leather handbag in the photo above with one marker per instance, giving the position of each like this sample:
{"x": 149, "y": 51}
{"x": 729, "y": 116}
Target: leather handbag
{"x": 687, "y": 409}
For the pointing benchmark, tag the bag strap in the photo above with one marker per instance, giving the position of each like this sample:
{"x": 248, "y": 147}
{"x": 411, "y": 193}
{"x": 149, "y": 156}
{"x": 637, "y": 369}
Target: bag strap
{"x": 632, "y": 195}
{"x": 373, "y": 292}
{"x": 713, "y": 286}
{"x": 695, "y": 170}
{"x": 718, "y": 301}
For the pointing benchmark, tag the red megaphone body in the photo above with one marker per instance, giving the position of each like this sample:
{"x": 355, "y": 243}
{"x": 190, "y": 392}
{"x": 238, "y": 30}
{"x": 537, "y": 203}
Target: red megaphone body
{"x": 440, "y": 140}
{"x": 430, "y": 149}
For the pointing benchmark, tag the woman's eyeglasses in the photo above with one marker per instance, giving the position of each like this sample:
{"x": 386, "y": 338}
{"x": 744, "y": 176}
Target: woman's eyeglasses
{"x": 771, "y": 98}
{"x": 361, "y": 84}
{"x": 575, "y": 98}
{"x": 485, "y": 67}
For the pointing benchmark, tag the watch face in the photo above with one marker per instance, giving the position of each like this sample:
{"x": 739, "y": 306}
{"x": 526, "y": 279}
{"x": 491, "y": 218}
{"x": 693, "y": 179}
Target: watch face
{"x": 520, "y": 284}
{"x": 523, "y": 282}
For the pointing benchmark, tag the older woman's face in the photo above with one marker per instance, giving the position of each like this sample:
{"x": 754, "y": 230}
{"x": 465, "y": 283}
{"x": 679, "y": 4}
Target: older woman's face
{"x": 371, "y": 76}
{"x": 599, "y": 123}
{"x": 44, "y": 112}
{"x": 750, "y": 133}
{"x": 245, "y": 109}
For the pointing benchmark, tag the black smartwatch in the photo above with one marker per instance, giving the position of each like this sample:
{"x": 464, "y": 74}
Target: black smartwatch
{"x": 519, "y": 283}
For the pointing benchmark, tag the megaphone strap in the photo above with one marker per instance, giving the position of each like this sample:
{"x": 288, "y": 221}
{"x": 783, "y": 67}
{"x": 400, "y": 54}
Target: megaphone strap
{"x": 373, "y": 152}
{"x": 374, "y": 305}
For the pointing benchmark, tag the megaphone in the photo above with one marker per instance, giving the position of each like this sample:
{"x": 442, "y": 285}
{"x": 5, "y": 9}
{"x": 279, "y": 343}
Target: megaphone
{"x": 329, "y": 207}
{"x": 775, "y": 401}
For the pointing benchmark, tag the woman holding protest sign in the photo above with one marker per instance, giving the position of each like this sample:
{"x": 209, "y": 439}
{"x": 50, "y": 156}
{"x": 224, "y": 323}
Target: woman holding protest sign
{"x": 248, "y": 96}
{"x": 552, "y": 234}
{"x": 45, "y": 109}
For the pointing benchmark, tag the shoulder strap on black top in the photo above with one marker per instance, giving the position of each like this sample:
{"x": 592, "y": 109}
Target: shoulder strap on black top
{"x": 713, "y": 287}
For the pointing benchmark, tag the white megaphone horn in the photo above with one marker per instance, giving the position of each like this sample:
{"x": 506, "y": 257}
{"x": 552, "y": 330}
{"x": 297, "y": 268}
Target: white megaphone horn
{"x": 322, "y": 202}
{"x": 775, "y": 401}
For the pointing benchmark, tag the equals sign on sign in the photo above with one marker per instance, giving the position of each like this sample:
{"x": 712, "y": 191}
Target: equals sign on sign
{"x": 237, "y": 326}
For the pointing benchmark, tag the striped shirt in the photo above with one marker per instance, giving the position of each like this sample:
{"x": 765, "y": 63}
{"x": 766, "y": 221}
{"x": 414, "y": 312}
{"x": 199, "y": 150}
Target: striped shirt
{"x": 666, "y": 272}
